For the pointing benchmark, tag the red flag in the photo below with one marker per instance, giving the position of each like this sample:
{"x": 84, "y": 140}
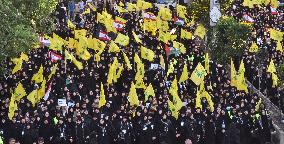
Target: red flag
{"x": 167, "y": 49}
{"x": 118, "y": 25}
{"x": 54, "y": 57}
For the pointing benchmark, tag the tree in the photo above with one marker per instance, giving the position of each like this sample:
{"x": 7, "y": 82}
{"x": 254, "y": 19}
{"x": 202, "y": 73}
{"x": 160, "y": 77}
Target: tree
{"x": 229, "y": 39}
{"x": 21, "y": 22}
{"x": 200, "y": 10}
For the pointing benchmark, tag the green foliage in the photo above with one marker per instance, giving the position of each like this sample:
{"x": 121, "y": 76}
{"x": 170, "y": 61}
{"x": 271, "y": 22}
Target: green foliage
{"x": 21, "y": 21}
{"x": 200, "y": 10}
{"x": 229, "y": 39}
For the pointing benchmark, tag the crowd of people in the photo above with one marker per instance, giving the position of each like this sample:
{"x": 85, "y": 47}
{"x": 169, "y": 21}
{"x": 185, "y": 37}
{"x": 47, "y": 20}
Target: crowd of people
{"x": 236, "y": 119}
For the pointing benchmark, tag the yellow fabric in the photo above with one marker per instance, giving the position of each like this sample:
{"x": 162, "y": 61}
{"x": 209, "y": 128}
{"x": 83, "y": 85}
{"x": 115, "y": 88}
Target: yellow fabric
{"x": 12, "y": 107}
{"x": 41, "y": 91}
{"x": 19, "y": 62}
{"x": 254, "y": 48}
{"x": 126, "y": 60}
{"x": 165, "y": 14}
{"x": 162, "y": 62}
{"x": 113, "y": 47}
{"x": 133, "y": 98}
{"x": 120, "y": 19}
{"x": 207, "y": 62}
{"x": 136, "y": 37}
{"x": 271, "y": 68}
{"x": 71, "y": 43}
{"x": 32, "y": 97}
{"x": 70, "y": 24}
{"x": 122, "y": 39}
{"x": 147, "y": 54}
{"x": 142, "y": 5}
{"x": 184, "y": 74}
{"x": 198, "y": 100}
{"x": 150, "y": 26}
{"x": 118, "y": 73}
{"x": 257, "y": 106}
{"x": 200, "y": 31}
{"x": 162, "y": 25}
{"x": 132, "y": 7}
{"x": 171, "y": 69}
{"x": 274, "y": 79}
{"x": 56, "y": 42}
{"x": 92, "y": 7}
{"x": 276, "y": 35}
{"x": 233, "y": 74}
{"x": 149, "y": 92}
{"x": 279, "y": 46}
{"x": 112, "y": 71}
{"x": 185, "y": 34}
{"x": 87, "y": 11}
{"x": 53, "y": 70}
{"x": 19, "y": 92}
{"x": 102, "y": 100}
{"x": 198, "y": 74}
{"x": 164, "y": 36}
{"x": 173, "y": 109}
{"x": 174, "y": 88}
{"x": 181, "y": 11}
{"x": 98, "y": 44}
{"x": 78, "y": 64}
{"x": 38, "y": 77}
{"x": 139, "y": 77}
{"x": 174, "y": 92}
{"x": 121, "y": 9}
{"x": 179, "y": 46}
{"x": 80, "y": 33}
{"x": 241, "y": 83}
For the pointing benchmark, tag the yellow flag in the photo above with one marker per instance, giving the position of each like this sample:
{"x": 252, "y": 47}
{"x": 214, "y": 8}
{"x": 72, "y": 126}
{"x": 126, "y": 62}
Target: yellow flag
{"x": 109, "y": 25}
{"x": 122, "y": 39}
{"x": 164, "y": 36}
{"x": 198, "y": 100}
{"x": 112, "y": 71}
{"x": 18, "y": 62}
{"x": 276, "y": 35}
{"x": 274, "y": 80}
{"x": 84, "y": 54}
{"x": 12, "y": 107}
{"x": 132, "y": 97}
{"x": 206, "y": 62}
{"x": 71, "y": 43}
{"x": 70, "y": 24}
{"x": 87, "y": 11}
{"x": 162, "y": 62}
{"x": 19, "y": 92}
{"x": 233, "y": 74}
{"x": 254, "y": 48}
{"x": 80, "y": 33}
{"x": 279, "y": 46}
{"x": 209, "y": 100}
{"x": 98, "y": 44}
{"x": 147, "y": 54}
{"x": 132, "y": 7}
{"x": 165, "y": 14}
{"x": 179, "y": 46}
{"x": 149, "y": 92}
{"x": 102, "y": 100}
{"x": 241, "y": 83}
{"x": 92, "y": 7}
{"x": 184, "y": 74}
{"x": 121, "y": 9}
{"x": 113, "y": 47}
{"x": 171, "y": 69}
{"x": 257, "y": 106}
{"x": 78, "y": 64}
{"x": 38, "y": 77}
{"x": 271, "y": 68}
{"x": 174, "y": 88}
{"x": 274, "y": 3}
{"x": 118, "y": 73}
{"x": 136, "y": 37}
{"x": 173, "y": 109}
{"x": 53, "y": 70}
{"x": 142, "y": 5}
{"x": 198, "y": 74}
{"x": 181, "y": 11}
{"x": 185, "y": 34}
{"x": 139, "y": 77}
{"x": 120, "y": 19}
{"x": 41, "y": 91}
{"x": 162, "y": 25}
{"x": 137, "y": 59}
{"x": 32, "y": 97}
{"x": 200, "y": 31}
{"x": 126, "y": 60}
